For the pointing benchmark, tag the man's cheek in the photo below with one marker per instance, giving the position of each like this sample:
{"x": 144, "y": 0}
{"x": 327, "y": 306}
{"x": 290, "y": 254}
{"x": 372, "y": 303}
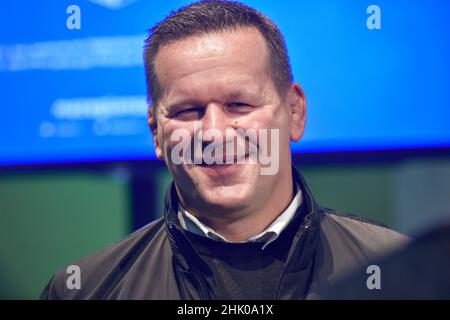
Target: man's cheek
{"x": 178, "y": 150}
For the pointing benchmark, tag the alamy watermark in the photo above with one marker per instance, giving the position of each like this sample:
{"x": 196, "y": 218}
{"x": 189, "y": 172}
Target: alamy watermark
{"x": 236, "y": 146}
{"x": 73, "y": 21}
{"x": 373, "y": 282}
{"x": 73, "y": 281}
{"x": 373, "y": 21}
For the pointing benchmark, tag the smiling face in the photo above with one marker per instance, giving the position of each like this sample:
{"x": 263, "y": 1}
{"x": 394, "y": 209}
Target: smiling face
{"x": 222, "y": 80}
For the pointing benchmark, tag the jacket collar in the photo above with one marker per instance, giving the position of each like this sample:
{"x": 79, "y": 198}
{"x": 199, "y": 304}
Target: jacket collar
{"x": 300, "y": 252}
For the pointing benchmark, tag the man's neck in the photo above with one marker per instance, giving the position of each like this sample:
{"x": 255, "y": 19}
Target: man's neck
{"x": 241, "y": 225}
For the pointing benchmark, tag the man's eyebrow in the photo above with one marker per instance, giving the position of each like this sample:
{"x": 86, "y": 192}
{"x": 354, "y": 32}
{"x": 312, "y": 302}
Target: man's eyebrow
{"x": 234, "y": 95}
{"x": 182, "y": 102}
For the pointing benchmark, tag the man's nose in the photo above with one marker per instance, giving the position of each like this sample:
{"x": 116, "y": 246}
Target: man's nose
{"x": 215, "y": 117}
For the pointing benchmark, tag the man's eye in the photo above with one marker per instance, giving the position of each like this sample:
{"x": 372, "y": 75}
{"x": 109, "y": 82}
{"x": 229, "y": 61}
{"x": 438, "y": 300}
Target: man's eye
{"x": 189, "y": 112}
{"x": 235, "y": 105}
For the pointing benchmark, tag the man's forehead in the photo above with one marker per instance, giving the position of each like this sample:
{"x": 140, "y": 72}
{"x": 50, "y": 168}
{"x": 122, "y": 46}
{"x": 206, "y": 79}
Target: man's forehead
{"x": 239, "y": 45}
{"x": 222, "y": 61}
{"x": 200, "y": 46}
{"x": 208, "y": 41}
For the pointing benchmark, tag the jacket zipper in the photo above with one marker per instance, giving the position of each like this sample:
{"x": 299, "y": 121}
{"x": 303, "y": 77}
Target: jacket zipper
{"x": 289, "y": 261}
{"x": 195, "y": 270}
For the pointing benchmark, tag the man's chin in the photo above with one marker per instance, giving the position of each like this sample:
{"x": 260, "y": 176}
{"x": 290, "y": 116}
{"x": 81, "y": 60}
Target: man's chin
{"x": 226, "y": 199}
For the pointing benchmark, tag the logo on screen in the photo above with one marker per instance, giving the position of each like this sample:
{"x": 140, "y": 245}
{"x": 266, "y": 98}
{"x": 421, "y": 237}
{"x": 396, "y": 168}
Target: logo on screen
{"x": 113, "y": 4}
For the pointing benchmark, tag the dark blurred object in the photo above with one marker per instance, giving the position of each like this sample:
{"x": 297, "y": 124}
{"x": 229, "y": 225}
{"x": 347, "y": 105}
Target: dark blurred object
{"x": 420, "y": 270}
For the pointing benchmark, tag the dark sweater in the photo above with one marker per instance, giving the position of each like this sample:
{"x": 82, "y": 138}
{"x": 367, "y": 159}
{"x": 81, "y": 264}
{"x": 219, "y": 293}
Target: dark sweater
{"x": 244, "y": 271}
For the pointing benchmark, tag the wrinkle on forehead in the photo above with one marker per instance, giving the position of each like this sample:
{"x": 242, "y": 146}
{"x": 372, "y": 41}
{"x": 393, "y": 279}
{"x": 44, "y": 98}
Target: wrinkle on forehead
{"x": 211, "y": 47}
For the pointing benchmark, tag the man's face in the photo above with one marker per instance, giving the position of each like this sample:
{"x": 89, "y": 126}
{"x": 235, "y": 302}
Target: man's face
{"x": 221, "y": 80}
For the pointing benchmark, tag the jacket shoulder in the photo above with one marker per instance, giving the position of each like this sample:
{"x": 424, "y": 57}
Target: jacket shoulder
{"x": 353, "y": 240}
{"x": 101, "y": 270}
{"x": 363, "y": 230}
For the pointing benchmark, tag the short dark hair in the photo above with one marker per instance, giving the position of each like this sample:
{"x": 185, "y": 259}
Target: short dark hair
{"x": 211, "y": 16}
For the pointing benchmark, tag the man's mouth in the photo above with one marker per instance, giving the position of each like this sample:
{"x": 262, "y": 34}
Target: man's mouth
{"x": 224, "y": 168}
{"x": 226, "y": 161}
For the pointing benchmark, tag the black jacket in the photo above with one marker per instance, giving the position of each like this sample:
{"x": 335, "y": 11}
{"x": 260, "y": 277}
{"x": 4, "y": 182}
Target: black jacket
{"x": 418, "y": 271}
{"x": 159, "y": 261}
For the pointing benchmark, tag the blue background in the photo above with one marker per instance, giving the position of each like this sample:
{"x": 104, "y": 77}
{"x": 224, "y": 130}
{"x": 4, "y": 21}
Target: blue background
{"x": 366, "y": 89}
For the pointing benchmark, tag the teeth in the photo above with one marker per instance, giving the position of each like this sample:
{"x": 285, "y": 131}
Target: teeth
{"x": 226, "y": 161}
{"x": 235, "y": 160}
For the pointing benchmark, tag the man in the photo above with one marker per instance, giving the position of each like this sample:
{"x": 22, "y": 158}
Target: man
{"x": 237, "y": 225}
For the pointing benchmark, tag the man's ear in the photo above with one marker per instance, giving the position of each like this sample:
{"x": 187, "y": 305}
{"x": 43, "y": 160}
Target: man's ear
{"x": 296, "y": 102}
{"x": 153, "y": 124}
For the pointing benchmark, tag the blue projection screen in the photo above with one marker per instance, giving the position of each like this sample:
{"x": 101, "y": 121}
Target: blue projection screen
{"x": 376, "y": 75}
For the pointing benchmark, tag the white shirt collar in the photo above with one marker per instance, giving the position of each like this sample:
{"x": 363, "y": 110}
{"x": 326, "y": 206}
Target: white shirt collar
{"x": 270, "y": 234}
